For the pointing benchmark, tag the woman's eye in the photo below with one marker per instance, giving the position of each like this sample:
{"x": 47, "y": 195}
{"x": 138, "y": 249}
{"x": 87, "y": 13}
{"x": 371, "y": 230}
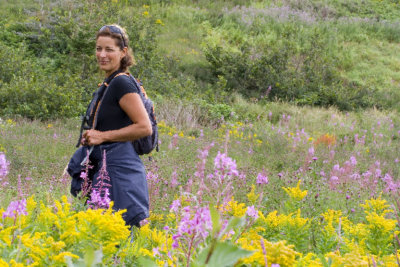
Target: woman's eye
{"x": 109, "y": 50}
{"x": 98, "y": 49}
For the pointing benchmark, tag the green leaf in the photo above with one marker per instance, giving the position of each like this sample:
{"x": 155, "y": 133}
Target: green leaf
{"x": 233, "y": 223}
{"x": 145, "y": 261}
{"x": 215, "y": 218}
{"x": 91, "y": 258}
{"x": 223, "y": 254}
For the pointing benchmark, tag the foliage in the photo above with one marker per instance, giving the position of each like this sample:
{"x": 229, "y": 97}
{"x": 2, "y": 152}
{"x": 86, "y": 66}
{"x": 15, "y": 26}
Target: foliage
{"x": 47, "y": 235}
{"x": 49, "y": 67}
{"x": 290, "y": 182}
{"x": 319, "y": 53}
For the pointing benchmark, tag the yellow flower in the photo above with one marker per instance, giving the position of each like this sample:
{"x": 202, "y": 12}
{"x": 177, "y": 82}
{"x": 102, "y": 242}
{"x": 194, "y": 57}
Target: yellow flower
{"x": 2, "y": 149}
{"x": 13, "y": 263}
{"x": 273, "y": 220}
{"x": 295, "y": 192}
{"x": 379, "y": 222}
{"x": 145, "y": 13}
{"x": 156, "y": 217}
{"x": 158, "y": 21}
{"x": 277, "y": 253}
{"x": 297, "y": 221}
{"x": 145, "y": 252}
{"x": 378, "y": 205}
{"x": 331, "y": 221}
{"x": 252, "y": 196}
{"x": 3, "y": 263}
{"x": 60, "y": 258}
{"x": 235, "y": 209}
{"x": 49, "y": 125}
{"x": 10, "y": 122}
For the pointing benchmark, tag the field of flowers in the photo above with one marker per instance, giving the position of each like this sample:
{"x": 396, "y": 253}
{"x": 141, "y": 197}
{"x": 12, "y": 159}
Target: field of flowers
{"x": 295, "y": 187}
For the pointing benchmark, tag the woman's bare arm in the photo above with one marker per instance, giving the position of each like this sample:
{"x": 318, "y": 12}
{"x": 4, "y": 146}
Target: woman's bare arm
{"x": 133, "y": 106}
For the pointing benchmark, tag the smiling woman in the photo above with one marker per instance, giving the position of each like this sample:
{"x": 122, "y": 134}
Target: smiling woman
{"x": 117, "y": 117}
{"x": 108, "y": 54}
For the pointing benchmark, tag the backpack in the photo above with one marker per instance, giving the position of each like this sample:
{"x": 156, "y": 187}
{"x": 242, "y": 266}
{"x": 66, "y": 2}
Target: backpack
{"x": 146, "y": 144}
{"x": 143, "y": 145}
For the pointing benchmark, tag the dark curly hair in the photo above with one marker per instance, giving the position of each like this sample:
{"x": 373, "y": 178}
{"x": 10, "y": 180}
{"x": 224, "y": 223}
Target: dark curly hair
{"x": 119, "y": 34}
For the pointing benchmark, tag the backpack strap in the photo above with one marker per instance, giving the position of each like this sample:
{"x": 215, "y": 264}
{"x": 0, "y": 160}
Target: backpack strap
{"x": 95, "y": 104}
{"x": 101, "y": 99}
{"x": 137, "y": 82}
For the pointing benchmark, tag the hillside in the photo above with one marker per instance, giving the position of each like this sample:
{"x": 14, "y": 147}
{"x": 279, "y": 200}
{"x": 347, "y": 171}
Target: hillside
{"x": 318, "y": 53}
{"x": 279, "y": 133}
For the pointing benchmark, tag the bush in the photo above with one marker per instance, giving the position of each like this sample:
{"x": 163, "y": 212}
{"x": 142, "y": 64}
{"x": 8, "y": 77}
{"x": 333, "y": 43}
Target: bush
{"x": 292, "y": 61}
{"x": 49, "y": 68}
{"x": 35, "y": 96}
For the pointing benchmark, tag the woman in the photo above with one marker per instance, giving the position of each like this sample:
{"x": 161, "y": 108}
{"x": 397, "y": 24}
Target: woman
{"x": 120, "y": 119}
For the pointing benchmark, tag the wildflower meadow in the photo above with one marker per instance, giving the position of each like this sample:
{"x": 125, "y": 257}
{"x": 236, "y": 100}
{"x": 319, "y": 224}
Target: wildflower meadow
{"x": 279, "y": 133}
{"x": 283, "y": 190}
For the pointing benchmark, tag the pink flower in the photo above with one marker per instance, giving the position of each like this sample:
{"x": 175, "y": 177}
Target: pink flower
{"x": 15, "y": 208}
{"x": 224, "y": 165}
{"x": 99, "y": 200}
{"x": 311, "y": 151}
{"x": 176, "y": 204}
{"x": 262, "y": 179}
{"x": 3, "y": 165}
{"x": 194, "y": 226}
{"x": 353, "y": 161}
{"x": 252, "y": 212}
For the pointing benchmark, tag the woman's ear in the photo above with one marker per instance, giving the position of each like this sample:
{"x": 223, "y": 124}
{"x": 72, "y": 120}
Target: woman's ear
{"x": 124, "y": 52}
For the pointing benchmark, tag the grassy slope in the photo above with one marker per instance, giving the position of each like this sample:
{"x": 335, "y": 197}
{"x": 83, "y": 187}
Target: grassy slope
{"x": 370, "y": 59}
{"x": 34, "y": 151}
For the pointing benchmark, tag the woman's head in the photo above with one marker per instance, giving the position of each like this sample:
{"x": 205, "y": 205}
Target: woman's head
{"x": 112, "y": 49}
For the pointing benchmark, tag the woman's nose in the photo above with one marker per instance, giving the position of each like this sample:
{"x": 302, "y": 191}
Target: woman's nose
{"x": 102, "y": 53}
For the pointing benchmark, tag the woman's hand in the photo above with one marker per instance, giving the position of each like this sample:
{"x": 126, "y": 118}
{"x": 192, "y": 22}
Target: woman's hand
{"x": 92, "y": 138}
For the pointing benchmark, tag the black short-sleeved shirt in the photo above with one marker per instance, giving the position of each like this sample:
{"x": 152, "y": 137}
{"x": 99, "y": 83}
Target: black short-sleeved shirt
{"x": 110, "y": 115}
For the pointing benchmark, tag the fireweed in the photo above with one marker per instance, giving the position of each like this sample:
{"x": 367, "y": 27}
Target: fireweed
{"x": 100, "y": 192}
{"x": 4, "y": 169}
{"x": 344, "y": 234}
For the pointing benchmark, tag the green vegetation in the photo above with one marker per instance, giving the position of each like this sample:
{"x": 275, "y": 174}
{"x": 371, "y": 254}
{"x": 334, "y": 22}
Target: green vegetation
{"x": 319, "y": 53}
{"x": 298, "y": 98}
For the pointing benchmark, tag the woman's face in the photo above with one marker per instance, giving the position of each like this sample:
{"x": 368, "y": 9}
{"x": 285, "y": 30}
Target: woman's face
{"x": 108, "y": 54}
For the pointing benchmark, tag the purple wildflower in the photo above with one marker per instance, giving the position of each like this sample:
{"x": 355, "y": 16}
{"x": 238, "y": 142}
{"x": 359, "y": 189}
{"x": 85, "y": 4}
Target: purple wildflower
{"x": 99, "y": 200}
{"x": 3, "y": 165}
{"x": 334, "y": 179}
{"x": 174, "y": 179}
{"x": 252, "y": 212}
{"x": 311, "y": 151}
{"x": 262, "y": 179}
{"x": 100, "y": 194}
{"x": 353, "y": 161}
{"x": 224, "y": 165}
{"x": 15, "y": 208}
{"x": 193, "y": 227}
{"x": 176, "y": 204}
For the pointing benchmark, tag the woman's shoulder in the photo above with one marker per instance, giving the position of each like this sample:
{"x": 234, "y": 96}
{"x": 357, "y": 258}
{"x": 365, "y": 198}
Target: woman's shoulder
{"x": 124, "y": 83}
{"x": 123, "y": 79}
